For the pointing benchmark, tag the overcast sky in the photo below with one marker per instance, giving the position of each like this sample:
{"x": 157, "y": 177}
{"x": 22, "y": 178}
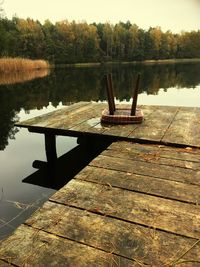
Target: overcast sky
{"x": 174, "y": 15}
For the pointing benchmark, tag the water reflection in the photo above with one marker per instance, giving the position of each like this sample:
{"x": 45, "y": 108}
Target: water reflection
{"x": 20, "y": 77}
{"x": 73, "y": 84}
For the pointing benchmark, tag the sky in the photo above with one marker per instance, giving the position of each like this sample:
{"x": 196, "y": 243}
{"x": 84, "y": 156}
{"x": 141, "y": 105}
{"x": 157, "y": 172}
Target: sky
{"x": 174, "y": 15}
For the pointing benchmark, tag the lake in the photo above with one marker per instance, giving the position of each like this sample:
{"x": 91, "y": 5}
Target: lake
{"x": 21, "y": 190}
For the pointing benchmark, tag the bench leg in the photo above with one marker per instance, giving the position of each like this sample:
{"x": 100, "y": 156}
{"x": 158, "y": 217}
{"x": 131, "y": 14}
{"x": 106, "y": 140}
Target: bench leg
{"x": 50, "y": 147}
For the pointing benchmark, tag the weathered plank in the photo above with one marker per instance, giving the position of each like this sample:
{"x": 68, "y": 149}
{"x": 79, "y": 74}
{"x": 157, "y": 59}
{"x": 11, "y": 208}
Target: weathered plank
{"x": 178, "y": 174}
{"x": 4, "y": 264}
{"x": 32, "y": 247}
{"x": 152, "y": 158}
{"x": 140, "y": 183}
{"x": 185, "y": 128}
{"x": 116, "y": 130}
{"x": 100, "y": 128}
{"x": 155, "y": 126}
{"x": 91, "y": 120}
{"x": 43, "y": 119}
{"x": 86, "y": 125}
{"x": 184, "y": 154}
{"x": 145, "y": 245}
{"x": 75, "y": 117}
{"x": 173, "y": 216}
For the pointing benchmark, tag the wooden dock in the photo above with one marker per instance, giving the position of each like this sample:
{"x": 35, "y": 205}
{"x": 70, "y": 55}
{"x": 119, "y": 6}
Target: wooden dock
{"x": 133, "y": 205}
{"x": 162, "y": 124}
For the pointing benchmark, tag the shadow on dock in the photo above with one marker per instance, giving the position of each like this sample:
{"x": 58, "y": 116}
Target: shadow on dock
{"x": 55, "y": 175}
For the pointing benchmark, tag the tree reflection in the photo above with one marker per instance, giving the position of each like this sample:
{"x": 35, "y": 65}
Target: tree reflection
{"x": 72, "y": 85}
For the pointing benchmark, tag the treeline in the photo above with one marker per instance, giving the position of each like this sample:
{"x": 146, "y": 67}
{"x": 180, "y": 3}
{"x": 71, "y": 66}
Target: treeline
{"x": 71, "y": 42}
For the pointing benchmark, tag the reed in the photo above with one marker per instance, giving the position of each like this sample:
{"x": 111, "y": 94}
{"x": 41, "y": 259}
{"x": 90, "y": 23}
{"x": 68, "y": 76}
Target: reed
{"x": 7, "y": 78}
{"x": 21, "y": 64}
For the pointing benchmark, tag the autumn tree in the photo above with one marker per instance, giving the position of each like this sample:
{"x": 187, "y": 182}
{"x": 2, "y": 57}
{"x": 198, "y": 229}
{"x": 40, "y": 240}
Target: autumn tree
{"x": 86, "y": 42}
{"x": 133, "y": 42}
{"x": 72, "y": 42}
{"x": 119, "y": 42}
{"x": 189, "y": 44}
{"x": 31, "y": 38}
{"x": 156, "y": 38}
{"x": 107, "y": 37}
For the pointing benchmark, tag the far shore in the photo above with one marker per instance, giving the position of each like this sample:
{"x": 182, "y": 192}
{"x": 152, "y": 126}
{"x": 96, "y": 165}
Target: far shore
{"x": 9, "y": 65}
{"x": 147, "y": 62}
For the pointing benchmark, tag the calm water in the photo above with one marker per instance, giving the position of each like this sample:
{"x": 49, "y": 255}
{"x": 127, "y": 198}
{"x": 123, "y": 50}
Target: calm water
{"x": 21, "y": 189}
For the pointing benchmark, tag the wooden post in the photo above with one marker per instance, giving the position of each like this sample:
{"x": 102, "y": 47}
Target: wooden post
{"x": 135, "y": 96}
{"x": 110, "y": 94}
{"x": 111, "y": 90}
{"x": 50, "y": 147}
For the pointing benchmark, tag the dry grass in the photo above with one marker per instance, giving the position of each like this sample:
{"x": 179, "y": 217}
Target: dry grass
{"x": 21, "y": 64}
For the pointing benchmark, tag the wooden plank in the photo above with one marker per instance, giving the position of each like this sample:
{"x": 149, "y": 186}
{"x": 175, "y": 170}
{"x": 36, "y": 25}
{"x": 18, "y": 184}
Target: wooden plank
{"x": 43, "y": 118}
{"x": 164, "y": 214}
{"x": 91, "y": 121}
{"x": 4, "y": 264}
{"x": 100, "y": 128}
{"x": 119, "y": 130}
{"x": 156, "y": 124}
{"x": 140, "y": 183}
{"x": 65, "y": 122}
{"x": 152, "y": 158}
{"x": 188, "y": 154}
{"x": 185, "y": 128}
{"x": 86, "y": 125}
{"x": 31, "y": 247}
{"x": 178, "y": 174}
{"x": 145, "y": 245}
{"x": 62, "y": 124}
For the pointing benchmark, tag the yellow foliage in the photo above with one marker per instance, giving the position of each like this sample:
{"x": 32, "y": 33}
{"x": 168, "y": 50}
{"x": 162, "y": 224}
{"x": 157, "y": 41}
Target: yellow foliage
{"x": 21, "y": 64}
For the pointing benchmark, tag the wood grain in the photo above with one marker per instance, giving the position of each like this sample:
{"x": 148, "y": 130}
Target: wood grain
{"x": 184, "y": 128}
{"x": 165, "y": 214}
{"x": 144, "y": 244}
{"x": 32, "y": 247}
{"x": 141, "y": 183}
{"x": 185, "y": 154}
{"x": 178, "y": 174}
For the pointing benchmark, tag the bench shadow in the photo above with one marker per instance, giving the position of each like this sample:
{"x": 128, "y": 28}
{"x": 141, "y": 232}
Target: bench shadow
{"x": 55, "y": 175}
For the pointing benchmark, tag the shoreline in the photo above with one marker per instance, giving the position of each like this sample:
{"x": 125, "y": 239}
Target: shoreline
{"x": 144, "y": 62}
{"x": 15, "y": 64}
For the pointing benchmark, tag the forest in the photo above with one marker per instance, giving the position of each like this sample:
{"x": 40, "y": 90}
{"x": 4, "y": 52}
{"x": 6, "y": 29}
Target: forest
{"x": 79, "y": 42}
